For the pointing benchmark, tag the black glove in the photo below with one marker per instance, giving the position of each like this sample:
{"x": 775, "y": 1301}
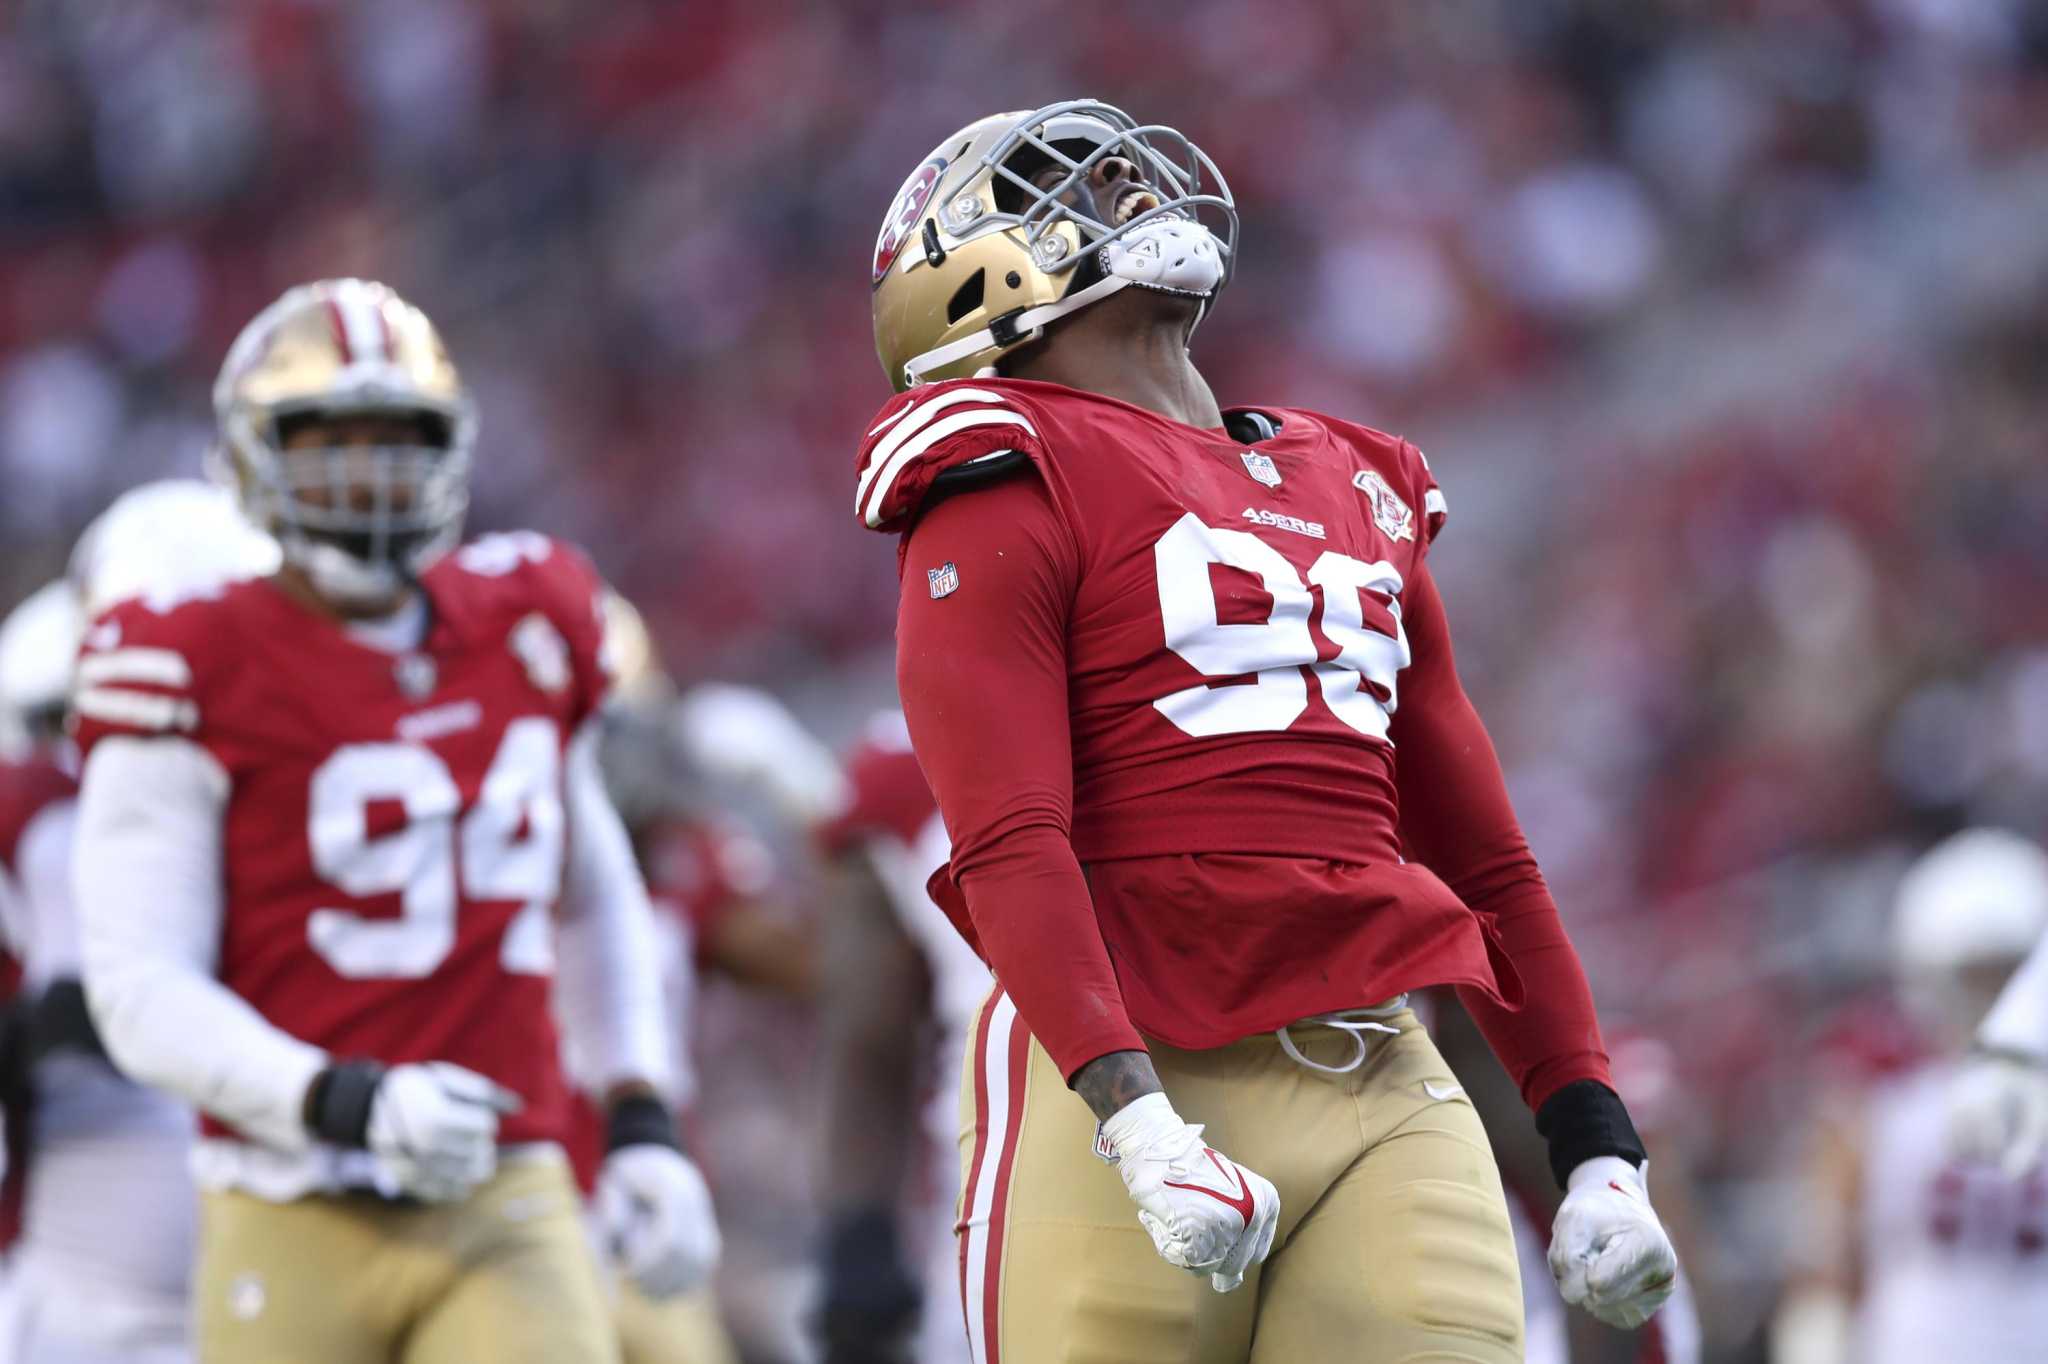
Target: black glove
{"x": 871, "y": 1303}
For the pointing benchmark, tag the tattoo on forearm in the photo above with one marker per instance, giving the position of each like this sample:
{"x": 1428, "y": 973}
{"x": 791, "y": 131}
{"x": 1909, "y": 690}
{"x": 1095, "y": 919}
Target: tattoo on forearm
{"x": 1109, "y": 1082}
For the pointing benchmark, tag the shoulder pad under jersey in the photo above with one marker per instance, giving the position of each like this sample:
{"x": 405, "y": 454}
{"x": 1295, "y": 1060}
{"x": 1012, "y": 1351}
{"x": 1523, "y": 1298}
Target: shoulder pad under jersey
{"x": 558, "y": 581}
{"x": 142, "y": 668}
{"x": 931, "y": 429}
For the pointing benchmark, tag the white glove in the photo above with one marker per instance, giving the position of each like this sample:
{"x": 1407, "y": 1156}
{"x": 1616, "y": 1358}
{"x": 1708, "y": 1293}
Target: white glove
{"x": 435, "y": 1125}
{"x": 657, "y": 1217}
{"x": 1206, "y": 1213}
{"x": 1998, "y": 1111}
{"x": 743, "y": 734}
{"x": 1608, "y": 1251}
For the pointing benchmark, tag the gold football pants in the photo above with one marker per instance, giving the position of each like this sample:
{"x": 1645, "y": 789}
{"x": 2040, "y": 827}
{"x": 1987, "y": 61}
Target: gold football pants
{"x": 1393, "y": 1245}
{"x": 679, "y": 1330}
{"x": 504, "y": 1276}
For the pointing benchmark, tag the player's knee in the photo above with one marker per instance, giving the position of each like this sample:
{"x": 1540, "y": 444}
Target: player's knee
{"x": 1455, "y": 1272}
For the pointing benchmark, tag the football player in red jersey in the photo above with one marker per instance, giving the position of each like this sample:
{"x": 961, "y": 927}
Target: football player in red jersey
{"x": 337, "y": 825}
{"x": 1158, "y": 660}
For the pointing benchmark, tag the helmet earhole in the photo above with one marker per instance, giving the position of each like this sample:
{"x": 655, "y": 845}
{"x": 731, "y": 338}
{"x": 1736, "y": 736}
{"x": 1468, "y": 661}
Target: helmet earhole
{"x": 1014, "y": 280}
{"x": 968, "y": 296}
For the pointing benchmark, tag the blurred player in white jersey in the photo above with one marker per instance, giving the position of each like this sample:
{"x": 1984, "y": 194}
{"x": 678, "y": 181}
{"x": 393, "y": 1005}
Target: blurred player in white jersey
{"x": 1917, "y": 1254}
{"x": 109, "y": 1219}
{"x": 1999, "y": 1107}
{"x": 898, "y": 991}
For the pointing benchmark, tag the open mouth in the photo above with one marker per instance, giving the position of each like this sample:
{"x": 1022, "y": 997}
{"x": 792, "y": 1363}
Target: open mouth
{"x": 1131, "y": 203}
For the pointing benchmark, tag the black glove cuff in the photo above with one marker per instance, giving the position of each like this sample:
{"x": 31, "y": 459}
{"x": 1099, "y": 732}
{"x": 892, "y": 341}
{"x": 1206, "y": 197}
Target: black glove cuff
{"x": 60, "y": 1020}
{"x": 1583, "y": 1120}
{"x": 864, "y": 1275}
{"x": 640, "y": 1120}
{"x": 338, "y": 1102}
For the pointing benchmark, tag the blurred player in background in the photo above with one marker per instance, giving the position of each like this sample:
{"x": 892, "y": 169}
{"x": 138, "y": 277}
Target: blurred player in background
{"x": 1914, "y": 1253}
{"x": 899, "y": 1000}
{"x": 707, "y": 879}
{"x": 109, "y": 1218}
{"x": 1172, "y": 848}
{"x": 1999, "y": 1107}
{"x": 336, "y": 827}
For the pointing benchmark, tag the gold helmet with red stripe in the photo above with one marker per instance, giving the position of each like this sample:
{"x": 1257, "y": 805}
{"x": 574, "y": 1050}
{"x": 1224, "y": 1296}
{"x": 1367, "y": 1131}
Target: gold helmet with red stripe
{"x": 359, "y": 520}
{"x": 988, "y": 241}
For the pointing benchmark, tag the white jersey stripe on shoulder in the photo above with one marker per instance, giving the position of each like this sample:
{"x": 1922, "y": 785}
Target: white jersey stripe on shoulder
{"x": 925, "y": 440}
{"x": 907, "y": 423}
{"x": 1433, "y": 503}
{"x": 901, "y": 413}
{"x": 160, "y": 667}
{"x": 137, "y": 710}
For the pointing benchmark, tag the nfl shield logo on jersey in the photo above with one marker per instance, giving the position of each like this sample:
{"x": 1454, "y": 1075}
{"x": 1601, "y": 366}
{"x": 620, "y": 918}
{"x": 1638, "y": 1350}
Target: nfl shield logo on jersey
{"x": 1262, "y": 468}
{"x": 945, "y": 579}
{"x": 416, "y": 675}
{"x": 1389, "y": 512}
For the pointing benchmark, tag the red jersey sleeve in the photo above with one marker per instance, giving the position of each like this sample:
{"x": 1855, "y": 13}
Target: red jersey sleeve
{"x": 140, "y": 673}
{"x": 704, "y": 870}
{"x": 571, "y": 593}
{"x": 988, "y": 584}
{"x": 890, "y": 797}
{"x": 1457, "y": 821}
{"x": 927, "y": 430}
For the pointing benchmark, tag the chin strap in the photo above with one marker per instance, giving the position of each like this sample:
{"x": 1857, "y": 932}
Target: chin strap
{"x": 1022, "y": 327}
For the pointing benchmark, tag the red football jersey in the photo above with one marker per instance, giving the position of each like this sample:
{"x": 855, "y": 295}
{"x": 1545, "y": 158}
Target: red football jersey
{"x": 395, "y": 827}
{"x": 1272, "y": 578}
{"x": 701, "y": 870}
{"x": 890, "y": 797}
{"x": 1226, "y": 628}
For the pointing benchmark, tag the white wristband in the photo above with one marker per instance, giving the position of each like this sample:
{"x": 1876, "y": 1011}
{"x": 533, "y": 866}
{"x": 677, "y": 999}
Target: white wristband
{"x": 1138, "y": 1124}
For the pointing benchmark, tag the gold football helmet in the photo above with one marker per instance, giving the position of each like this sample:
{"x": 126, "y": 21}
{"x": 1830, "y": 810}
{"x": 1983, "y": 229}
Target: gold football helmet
{"x": 639, "y": 681}
{"x": 982, "y": 247}
{"x": 646, "y": 772}
{"x": 361, "y": 520}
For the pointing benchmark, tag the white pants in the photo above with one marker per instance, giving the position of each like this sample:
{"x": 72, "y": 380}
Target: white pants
{"x": 66, "y": 1313}
{"x": 101, "y": 1273}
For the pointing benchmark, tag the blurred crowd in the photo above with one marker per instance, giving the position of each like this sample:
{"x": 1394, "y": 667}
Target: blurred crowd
{"x": 1724, "y": 323}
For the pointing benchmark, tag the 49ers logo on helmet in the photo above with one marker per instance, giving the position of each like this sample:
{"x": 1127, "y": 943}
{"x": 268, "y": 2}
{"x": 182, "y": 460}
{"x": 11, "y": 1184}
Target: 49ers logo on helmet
{"x": 904, "y": 213}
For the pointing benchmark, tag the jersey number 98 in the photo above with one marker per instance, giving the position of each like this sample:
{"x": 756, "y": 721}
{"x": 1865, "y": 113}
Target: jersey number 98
{"x": 1357, "y": 684}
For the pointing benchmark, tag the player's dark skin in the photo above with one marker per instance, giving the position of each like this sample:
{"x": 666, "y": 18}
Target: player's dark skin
{"x": 1132, "y": 345}
{"x": 367, "y": 431}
